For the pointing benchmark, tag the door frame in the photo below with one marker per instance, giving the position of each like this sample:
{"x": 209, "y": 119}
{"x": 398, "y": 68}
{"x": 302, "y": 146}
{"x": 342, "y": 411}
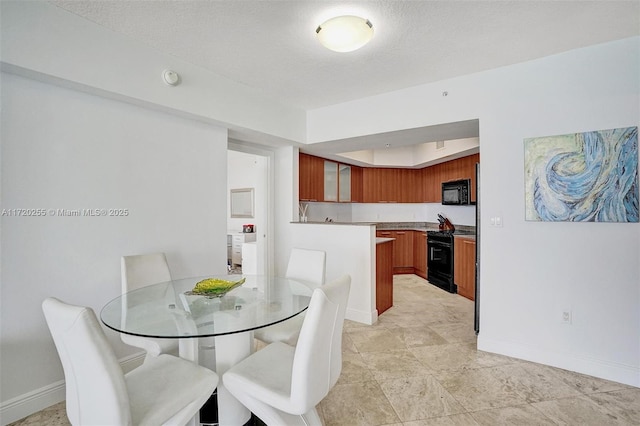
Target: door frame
{"x": 264, "y": 237}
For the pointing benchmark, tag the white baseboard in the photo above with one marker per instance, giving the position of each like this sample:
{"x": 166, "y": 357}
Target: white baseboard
{"x": 31, "y": 402}
{"x": 363, "y": 317}
{"x": 603, "y": 369}
{"x": 39, "y": 399}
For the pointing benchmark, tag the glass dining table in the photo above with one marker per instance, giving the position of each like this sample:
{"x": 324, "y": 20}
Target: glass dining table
{"x": 169, "y": 310}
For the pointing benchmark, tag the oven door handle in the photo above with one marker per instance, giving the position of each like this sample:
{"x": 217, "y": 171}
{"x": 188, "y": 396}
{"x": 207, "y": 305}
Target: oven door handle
{"x": 433, "y": 251}
{"x": 438, "y": 244}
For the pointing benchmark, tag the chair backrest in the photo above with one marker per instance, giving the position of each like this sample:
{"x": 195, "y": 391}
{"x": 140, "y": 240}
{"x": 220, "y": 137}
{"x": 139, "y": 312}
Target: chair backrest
{"x": 317, "y": 361}
{"x": 143, "y": 269}
{"x": 96, "y": 392}
{"x": 307, "y": 265}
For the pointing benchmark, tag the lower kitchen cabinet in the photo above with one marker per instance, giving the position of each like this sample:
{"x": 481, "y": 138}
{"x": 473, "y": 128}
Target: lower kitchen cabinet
{"x": 384, "y": 276}
{"x": 402, "y": 250}
{"x": 420, "y": 253}
{"x": 464, "y": 266}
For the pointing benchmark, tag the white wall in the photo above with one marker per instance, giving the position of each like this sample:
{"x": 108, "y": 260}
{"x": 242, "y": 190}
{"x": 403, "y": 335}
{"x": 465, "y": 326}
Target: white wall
{"x": 286, "y": 205}
{"x": 40, "y": 37}
{"x": 350, "y": 250}
{"x": 390, "y": 212}
{"x": 531, "y": 271}
{"x": 62, "y": 149}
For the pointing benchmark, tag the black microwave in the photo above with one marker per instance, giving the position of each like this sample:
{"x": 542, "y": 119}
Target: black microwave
{"x": 457, "y": 192}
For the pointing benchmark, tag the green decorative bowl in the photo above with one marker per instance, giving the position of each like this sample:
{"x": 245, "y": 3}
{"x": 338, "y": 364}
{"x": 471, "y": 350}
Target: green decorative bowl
{"x": 214, "y": 287}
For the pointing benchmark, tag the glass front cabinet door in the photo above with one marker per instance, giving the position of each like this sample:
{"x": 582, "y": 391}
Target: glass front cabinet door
{"x": 344, "y": 183}
{"x": 330, "y": 181}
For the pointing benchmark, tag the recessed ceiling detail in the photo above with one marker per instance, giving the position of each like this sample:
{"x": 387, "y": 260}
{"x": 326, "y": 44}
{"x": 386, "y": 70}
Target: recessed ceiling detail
{"x": 413, "y": 156}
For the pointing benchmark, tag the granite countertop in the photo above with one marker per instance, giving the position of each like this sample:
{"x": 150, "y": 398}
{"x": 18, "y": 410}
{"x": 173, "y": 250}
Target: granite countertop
{"x": 461, "y": 230}
{"x": 333, "y": 222}
{"x": 465, "y": 236}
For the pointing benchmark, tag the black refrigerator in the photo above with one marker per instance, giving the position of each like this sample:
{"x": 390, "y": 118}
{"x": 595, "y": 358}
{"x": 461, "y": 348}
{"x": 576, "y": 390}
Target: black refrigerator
{"x": 476, "y": 310}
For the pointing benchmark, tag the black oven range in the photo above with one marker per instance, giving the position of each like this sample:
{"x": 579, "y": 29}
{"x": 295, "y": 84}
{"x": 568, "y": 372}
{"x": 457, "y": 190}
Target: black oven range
{"x": 440, "y": 260}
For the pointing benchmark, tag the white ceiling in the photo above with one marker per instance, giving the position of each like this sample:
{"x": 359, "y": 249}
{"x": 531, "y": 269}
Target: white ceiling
{"x": 271, "y": 45}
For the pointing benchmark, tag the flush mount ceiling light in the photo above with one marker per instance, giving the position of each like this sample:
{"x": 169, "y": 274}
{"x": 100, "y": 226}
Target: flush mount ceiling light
{"x": 345, "y": 33}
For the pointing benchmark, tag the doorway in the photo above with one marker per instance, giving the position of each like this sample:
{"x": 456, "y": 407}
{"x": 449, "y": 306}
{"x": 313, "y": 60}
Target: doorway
{"x": 249, "y": 167}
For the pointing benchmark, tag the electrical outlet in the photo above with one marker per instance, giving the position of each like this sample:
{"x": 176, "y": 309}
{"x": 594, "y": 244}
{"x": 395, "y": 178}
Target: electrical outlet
{"x": 566, "y": 316}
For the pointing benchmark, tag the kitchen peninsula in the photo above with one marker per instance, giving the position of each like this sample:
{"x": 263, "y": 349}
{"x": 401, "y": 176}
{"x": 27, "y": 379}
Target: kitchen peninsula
{"x": 351, "y": 249}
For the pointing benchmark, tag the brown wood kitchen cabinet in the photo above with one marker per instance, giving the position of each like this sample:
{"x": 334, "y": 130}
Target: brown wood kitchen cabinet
{"x": 410, "y": 185}
{"x": 464, "y": 266}
{"x": 382, "y": 184}
{"x": 420, "y": 253}
{"x": 328, "y": 181}
{"x": 462, "y": 168}
{"x": 402, "y": 250}
{"x": 356, "y": 184}
{"x": 432, "y": 184}
{"x": 311, "y": 178}
{"x": 384, "y": 276}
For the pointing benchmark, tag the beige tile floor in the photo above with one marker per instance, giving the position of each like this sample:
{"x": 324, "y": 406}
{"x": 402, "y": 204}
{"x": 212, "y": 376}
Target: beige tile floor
{"x": 418, "y": 366}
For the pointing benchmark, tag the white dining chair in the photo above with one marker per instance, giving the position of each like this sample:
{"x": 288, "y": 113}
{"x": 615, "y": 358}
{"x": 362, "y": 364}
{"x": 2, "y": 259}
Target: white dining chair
{"x": 138, "y": 271}
{"x": 282, "y": 384}
{"x": 163, "y": 390}
{"x": 307, "y": 267}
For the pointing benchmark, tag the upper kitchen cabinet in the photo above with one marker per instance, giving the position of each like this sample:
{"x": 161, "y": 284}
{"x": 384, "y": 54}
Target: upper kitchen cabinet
{"x": 381, "y": 185}
{"x": 326, "y": 180}
{"x": 410, "y": 186}
{"x": 356, "y": 184}
{"x": 311, "y": 178}
{"x": 461, "y": 168}
{"x": 331, "y": 181}
{"x": 344, "y": 182}
{"x": 432, "y": 184}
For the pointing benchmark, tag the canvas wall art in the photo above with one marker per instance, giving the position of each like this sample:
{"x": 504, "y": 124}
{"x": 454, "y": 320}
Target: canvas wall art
{"x": 582, "y": 177}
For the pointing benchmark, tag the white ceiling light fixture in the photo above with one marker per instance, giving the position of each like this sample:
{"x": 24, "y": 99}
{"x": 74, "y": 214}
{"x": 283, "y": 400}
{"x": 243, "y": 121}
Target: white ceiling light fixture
{"x": 345, "y": 33}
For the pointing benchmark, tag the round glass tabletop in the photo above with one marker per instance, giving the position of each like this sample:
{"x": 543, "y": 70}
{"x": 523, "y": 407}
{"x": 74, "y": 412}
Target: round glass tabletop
{"x": 169, "y": 310}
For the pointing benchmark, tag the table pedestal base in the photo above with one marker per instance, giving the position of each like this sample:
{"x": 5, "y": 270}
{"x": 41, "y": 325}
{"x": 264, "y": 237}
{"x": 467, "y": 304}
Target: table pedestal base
{"x": 231, "y": 349}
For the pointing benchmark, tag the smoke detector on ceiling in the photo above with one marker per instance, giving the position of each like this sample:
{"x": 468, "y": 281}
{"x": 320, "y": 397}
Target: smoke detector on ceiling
{"x": 171, "y": 78}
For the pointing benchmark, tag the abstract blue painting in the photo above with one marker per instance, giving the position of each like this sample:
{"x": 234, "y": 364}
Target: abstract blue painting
{"x": 582, "y": 177}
